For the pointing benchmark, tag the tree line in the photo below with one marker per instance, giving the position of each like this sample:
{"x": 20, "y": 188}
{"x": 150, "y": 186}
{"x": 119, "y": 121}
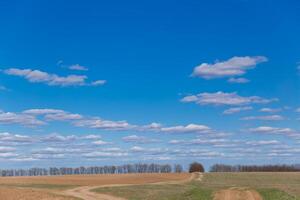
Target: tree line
{"x": 112, "y": 169}
{"x": 254, "y": 168}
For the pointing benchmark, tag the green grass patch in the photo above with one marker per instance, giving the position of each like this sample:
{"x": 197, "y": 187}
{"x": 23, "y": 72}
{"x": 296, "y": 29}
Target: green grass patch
{"x": 275, "y": 194}
{"x": 190, "y": 191}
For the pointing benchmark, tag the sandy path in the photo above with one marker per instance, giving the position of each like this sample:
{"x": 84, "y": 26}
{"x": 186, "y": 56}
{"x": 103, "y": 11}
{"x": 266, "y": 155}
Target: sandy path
{"x": 86, "y": 193}
{"x": 237, "y": 194}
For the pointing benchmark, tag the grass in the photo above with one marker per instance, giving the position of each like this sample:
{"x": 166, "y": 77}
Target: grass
{"x": 288, "y": 182}
{"x": 271, "y": 186}
{"x": 41, "y": 186}
{"x": 190, "y": 191}
{"x": 275, "y": 194}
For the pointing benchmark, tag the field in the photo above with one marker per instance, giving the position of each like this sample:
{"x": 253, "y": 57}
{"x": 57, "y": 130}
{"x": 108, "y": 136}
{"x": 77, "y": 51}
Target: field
{"x": 209, "y": 186}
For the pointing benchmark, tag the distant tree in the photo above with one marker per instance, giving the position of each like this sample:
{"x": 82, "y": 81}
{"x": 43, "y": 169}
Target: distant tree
{"x": 178, "y": 168}
{"x": 254, "y": 168}
{"x": 196, "y": 167}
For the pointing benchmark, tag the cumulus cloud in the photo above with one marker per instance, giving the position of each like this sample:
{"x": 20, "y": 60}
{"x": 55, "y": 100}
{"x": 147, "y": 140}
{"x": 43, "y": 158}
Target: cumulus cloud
{"x": 190, "y": 128}
{"x": 98, "y": 82}
{"x": 99, "y": 154}
{"x": 270, "y": 110}
{"x": 263, "y": 142}
{"x": 101, "y": 142}
{"x": 54, "y": 114}
{"x": 62, "y": 117}
{"x": 7, "y": 149}
{"x": 275, "y": 130}
{"x": 29, "y": 117}
{"x": 23, "y": 119}
{"x": 137, "y": 149}
{"x": 266, "y": 118}
{"x": 78, "y": 67}
{"x": 54, "y": 137}
{"x": 91, "y": 137}
{"x": 235, "y": 66}
{"x": 37, "y": 76}
{"x": 238, "y": 80}
{"x": 42, "y": 111}
{"x": 230, "y": 111}
{"x": 138, "y": 139}
{"x": 177, "y": 142}
{"x": 15, "y": 139}
{"x": 222, "y": 98}
{"x": 98, "y": 123}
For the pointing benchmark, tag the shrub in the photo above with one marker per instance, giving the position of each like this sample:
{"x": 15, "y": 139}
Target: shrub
{"x": 196, "y": 167}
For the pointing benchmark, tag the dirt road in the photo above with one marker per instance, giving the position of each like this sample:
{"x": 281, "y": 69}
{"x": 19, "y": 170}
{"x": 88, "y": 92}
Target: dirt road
{"x": 237, "y": 194}
{"x": 85, "y": 192}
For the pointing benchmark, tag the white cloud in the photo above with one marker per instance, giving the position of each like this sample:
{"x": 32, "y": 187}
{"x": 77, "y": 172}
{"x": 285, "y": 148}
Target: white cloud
{"x": 42, "y": 111}
{"x": 177, "y": 142}
{"x": 11, "y": 139}
{"x": 274, "y": 130}
{"x": 236, "y": 110}
{"x": 54, "y": 137}
{"x": 209, "y": 141}
{"x": 101, "y": 142}
{"x": 263, "y": 142}
{"x": 270, "y": 110}
{"x": 54, "y": 114}
{"x": 266, "y": 118}
{"x": 23, "y": 119}
{"x": 238, "y": 80}
{"x": 222, "y": 98}
{"x": 138, "y": 139}
{"x": 99, "y": 154}
{"x": 98, "y": 82}
{"x": 62, "y": 117}
{"x": 103, "y": 124}
{"x": 91, "y": 137}
{"x": 78, "y": 67}
{"x": 8, "y": 155}
{"x": 235, "y": 66}
{"x": 137, "y": 149}
{"x": 7, "y": 149}
{"x": 298, "y": 110}
{"x": 37, "y": 76}
{"x": 191, "y": 128}
{"x": 268, "y": 129}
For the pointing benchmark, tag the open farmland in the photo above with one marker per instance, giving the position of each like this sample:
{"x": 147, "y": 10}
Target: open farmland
{"x": 59, "y": 187}
{"x": 219, "y": 186}
{"x": 184, "y": 186}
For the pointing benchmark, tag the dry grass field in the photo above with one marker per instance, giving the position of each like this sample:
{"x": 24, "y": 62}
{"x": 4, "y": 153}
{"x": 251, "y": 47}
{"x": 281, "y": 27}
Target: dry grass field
{"x": 211, "y": 186}
{"x": 92, "y": 180}
{"x": 54, "y": 187}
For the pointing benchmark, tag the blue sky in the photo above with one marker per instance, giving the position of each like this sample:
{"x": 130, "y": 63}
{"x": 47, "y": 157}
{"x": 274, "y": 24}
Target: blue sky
{"x": 92, "y": 82}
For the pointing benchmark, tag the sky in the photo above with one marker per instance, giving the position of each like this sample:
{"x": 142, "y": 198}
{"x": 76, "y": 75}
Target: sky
{"x": 94, "y": 83}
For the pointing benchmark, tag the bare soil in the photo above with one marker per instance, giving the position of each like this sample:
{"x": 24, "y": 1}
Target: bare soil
{"x": 29, "y": 194}
{"x": 58, "y": 187}
{"x": 237, "y": 194}
{"x": 95, "y": 180}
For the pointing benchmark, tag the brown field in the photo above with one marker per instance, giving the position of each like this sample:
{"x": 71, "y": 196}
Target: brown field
{"x": 210, "y": 186}
{"x": 93, "y": 180}
{"x": 8, "y": 193}
{"x": 54, "y": 187}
